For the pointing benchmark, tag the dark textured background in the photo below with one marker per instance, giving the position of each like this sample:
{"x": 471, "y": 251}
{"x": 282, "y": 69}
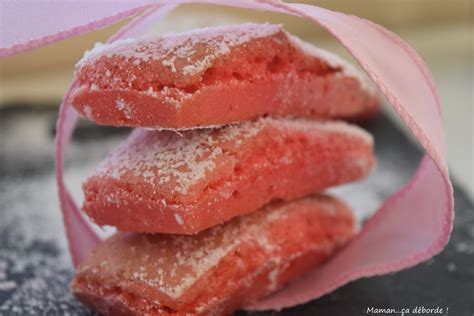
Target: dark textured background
{"x": 35, "y": 267}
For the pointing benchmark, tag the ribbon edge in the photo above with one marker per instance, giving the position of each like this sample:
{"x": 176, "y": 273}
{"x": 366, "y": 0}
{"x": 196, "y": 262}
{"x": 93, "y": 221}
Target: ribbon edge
{"x": 51, "y": 38}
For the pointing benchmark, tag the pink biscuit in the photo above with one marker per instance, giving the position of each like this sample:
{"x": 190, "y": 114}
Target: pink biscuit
{"x": 170, "y": 182}
{"x": 216, "y": 76}
{"x": 218, "y": 270}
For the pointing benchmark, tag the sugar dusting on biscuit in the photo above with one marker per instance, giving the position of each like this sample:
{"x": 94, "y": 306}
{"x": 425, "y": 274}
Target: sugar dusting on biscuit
{"x": 170, "y": 47}
{"x": 183, "y": 160}
{"x": 173, "y": 67}
{"x": 173, "y": 264}
{"x": 217, "y": 41}
{"x": 123, "y": 107}
{"x": 188, "y": 258}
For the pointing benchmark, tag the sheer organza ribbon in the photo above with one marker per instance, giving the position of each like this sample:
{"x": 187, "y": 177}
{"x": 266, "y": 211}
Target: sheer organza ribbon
{"x": 411, "y": 226}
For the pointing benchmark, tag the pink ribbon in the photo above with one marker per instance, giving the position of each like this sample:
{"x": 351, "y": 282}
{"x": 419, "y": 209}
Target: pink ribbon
{"x": 411, "y": 226}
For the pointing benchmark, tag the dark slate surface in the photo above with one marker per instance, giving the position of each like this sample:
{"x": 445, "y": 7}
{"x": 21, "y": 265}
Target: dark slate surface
{"x": 35, "y": 268}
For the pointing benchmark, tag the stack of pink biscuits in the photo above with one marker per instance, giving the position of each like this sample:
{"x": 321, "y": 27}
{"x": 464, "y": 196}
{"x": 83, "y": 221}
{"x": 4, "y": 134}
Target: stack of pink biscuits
{"x": 216, "y": 193}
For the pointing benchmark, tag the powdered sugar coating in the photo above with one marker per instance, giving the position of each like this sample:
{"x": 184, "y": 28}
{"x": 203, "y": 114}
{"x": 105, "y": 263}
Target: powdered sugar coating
{"x": 219, "y": 40}
{"x": 172, "y": 47}
{"x": 228, "y": 73}
{"x": 169, "y": 157}
{"x": 172, "y": 264}
{"x": 88, "y": 112}
{"x": 191, "y": 257}
{"x": 184, "y": 159}
{"x": 123, "y": 107}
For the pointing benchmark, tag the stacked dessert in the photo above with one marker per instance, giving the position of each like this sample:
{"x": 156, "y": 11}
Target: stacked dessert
{"x": 216, "y": 193}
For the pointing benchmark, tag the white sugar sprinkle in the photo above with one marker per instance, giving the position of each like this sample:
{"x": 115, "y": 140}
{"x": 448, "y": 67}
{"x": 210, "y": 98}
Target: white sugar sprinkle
{"x": 189, "y": 258}
{"x": 192, "y": 53}
{"x": 35, "y": 269}
{"x": 451, "y": 267}
{"x": 182, "y": 161}
{"x": 171, "y": 47}
{"x": 463, "y": 247}
{"x": 178, "y": 218}
{"x": 168, "y": 157}
{"x": 151, "y": 92}
{"x": 7, "y": 285}
{"x": 123, "y": 107}
{"x": 88, "y": 112}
